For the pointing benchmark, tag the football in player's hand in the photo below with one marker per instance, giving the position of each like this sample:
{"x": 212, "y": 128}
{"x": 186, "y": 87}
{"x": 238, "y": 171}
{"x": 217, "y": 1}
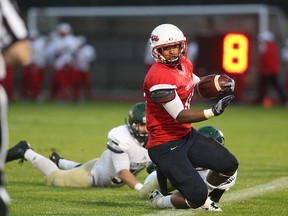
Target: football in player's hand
{"x": 212, "y": 86}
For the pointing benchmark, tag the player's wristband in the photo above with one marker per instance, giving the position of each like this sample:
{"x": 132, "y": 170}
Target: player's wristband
{"x": 208, "y": 113}
{"x": 138, "y": 186}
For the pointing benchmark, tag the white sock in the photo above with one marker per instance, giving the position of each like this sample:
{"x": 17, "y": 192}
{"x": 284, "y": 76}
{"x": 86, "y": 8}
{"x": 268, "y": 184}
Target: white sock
{"x": 43, "y": 164}
{"x": 4, "y": 195}
{"x": 67, "y": 164}
{"x": 165, "y": 202}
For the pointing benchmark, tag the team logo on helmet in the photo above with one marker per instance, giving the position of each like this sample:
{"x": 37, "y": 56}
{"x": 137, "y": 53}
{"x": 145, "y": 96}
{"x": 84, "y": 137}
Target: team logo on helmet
{"x": 154, "y": 38}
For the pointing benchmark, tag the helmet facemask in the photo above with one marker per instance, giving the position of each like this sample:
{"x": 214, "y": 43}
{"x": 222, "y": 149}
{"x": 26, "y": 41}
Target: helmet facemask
{"x": 141, "y": 137}
{"x": 157, "y": 53}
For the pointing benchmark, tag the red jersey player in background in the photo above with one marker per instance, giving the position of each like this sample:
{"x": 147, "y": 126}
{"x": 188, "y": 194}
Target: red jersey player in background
{"x": 269, "y": 67}
{"x": 174, "y": 145}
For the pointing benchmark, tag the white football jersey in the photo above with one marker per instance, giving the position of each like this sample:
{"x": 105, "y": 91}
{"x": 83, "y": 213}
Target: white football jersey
{"x": 124, "y": 152}
{"x": 84, "y": 57}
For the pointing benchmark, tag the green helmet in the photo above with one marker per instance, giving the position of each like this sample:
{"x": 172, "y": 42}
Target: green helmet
{"x": 137, "y": 115}
{"x": 212, "y": 132}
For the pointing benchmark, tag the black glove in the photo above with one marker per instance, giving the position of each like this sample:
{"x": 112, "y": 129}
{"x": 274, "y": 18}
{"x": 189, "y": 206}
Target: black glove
{"x": 221, "y": 105}
{"x": 229, "y": 86}
{"x": 150, "y": 168}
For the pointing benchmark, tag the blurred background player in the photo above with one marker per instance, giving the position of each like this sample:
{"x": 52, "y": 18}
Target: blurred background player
{"x": 8, "y": 82}
{"x": 119, "y": 164}
{"x": 33, "y": 73}
{"x": 192, "y": 50}
{"x": 284, "y": 56}
{"x": 269, "y": 67}
{"x": 15, "y": 49}
{"x": 215, "y": 194}
{"x": 81, "y": 78}
{"x": 148, "y": 58}
{"x": 60, "y": 52}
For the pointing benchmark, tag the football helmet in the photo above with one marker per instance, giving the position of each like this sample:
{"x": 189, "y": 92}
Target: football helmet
{"x": 213, "y": 132}
{"x": 167, "y": 35}
{"x": 137, "y": 115}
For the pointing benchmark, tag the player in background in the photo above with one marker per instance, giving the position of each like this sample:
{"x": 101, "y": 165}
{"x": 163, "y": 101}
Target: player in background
{"x": 148, "y": 59}
{"x": 81, "y": 78}
{"x": 33, "y": 73}
{"x": 8, "y": 82}
{"x": 15, "y": 49}
{"x": 151, "y": 182}
{"x": 174, "y": 146}
{"x": 269, "y": 67}
{"x": 60, "y": 53}
{"x": 124, "y": 158}
{"x": 284, "y": 57}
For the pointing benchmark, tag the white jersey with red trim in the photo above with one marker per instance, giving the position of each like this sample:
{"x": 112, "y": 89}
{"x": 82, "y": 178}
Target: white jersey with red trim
{"x": 84, "y": 57}
{"x": 161, "y": 125}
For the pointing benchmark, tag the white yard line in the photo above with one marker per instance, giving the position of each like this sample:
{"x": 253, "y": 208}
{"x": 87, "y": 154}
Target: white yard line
{"x": 228, "y": 198}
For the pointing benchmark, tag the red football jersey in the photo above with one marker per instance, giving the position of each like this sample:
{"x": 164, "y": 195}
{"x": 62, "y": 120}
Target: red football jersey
{"x": 269, "y": 62}
{"x": 161, "y": 125}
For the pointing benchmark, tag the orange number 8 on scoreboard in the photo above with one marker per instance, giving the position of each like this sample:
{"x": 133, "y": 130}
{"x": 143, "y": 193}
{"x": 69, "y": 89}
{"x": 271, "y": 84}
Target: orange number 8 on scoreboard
{"x": 235, "y": 53}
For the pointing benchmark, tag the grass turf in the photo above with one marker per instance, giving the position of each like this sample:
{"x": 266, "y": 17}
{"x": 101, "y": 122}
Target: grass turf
{"x": 257, "y": 136}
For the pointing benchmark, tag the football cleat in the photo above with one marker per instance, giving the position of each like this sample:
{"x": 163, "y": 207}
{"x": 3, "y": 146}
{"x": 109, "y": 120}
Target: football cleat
{"x": 55, "y": 157}
{"x": 18, "y": 151}
{"x": 154, "y": 196}
{"x": 210, "y": 205}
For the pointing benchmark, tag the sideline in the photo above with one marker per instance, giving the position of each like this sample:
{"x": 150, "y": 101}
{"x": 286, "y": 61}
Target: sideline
{"x": 273, "y": 186}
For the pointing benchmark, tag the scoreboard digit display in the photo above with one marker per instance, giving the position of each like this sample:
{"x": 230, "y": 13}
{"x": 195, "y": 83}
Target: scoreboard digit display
{"x": 235, "y": 53}
{"x": 227, "y": 53}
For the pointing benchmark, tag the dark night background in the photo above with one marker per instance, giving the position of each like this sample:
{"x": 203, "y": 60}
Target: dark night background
{"x": 25, "y": 4}
{"x": 125, "y": 75}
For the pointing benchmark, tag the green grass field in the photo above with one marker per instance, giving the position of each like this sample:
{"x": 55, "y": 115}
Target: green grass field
{"x": 257, "y": 136}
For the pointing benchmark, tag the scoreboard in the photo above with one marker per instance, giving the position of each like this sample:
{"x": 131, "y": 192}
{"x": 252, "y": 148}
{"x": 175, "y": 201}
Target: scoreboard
{"x": 235, "y": 53}
{"x": 227, "y": 53}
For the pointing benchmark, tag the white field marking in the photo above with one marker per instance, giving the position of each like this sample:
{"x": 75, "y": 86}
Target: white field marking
{"x": 228, "y": 198}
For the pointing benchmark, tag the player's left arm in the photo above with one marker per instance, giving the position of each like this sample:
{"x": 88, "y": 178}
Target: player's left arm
{"x": 121, "y": 164}
{"x": 129, "y": 179}
{"x": 176, "y": 109}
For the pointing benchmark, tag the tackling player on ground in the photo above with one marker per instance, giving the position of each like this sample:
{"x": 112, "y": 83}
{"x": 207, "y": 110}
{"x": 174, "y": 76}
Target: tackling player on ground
{"x": 174, "y": 146}
{"x": 124, "y": 158}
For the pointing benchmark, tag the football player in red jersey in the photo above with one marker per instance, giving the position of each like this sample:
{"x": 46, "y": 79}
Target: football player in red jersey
{"x": 173, "y": 144}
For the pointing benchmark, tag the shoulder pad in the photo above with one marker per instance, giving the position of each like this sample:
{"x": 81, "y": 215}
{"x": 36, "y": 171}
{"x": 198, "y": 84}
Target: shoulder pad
{"x": 114, "y": 147}
{"x": 163, "y": 95}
